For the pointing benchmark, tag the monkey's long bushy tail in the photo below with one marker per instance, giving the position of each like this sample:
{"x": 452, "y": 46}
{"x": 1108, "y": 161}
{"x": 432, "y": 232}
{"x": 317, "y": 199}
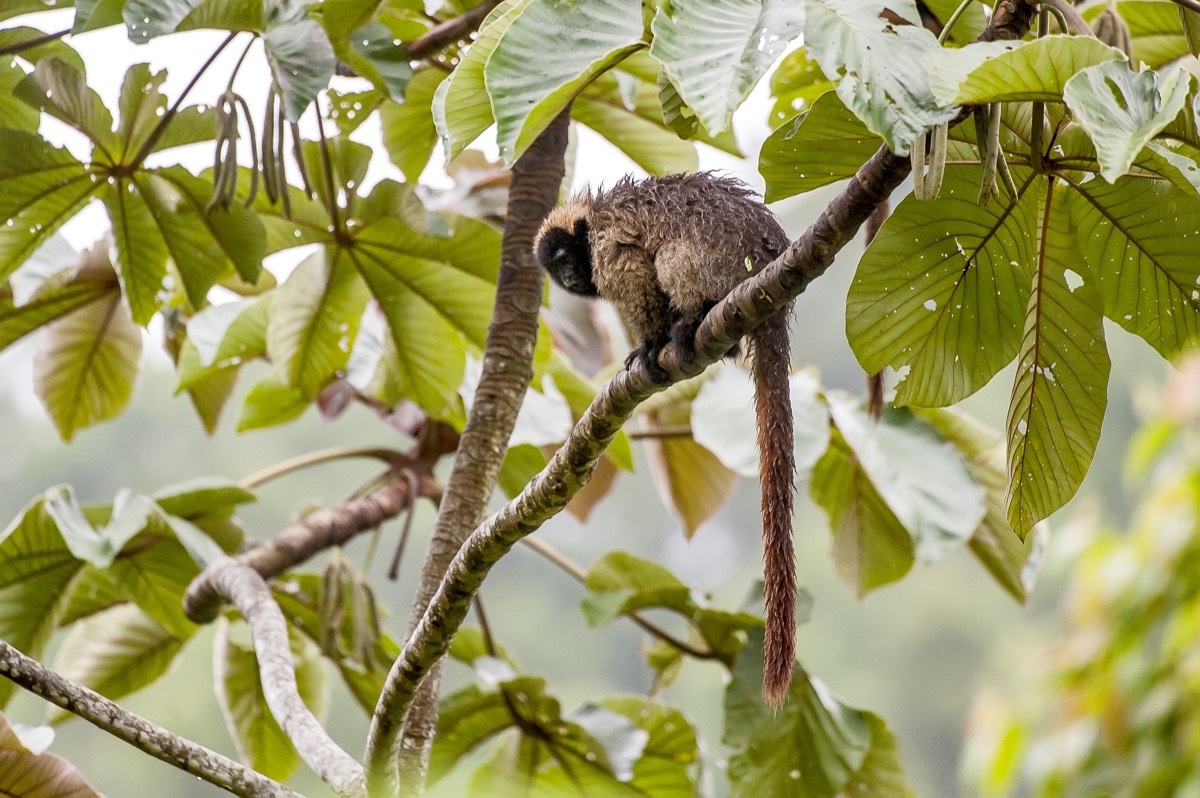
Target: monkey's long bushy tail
{"x": 777, "y": 468}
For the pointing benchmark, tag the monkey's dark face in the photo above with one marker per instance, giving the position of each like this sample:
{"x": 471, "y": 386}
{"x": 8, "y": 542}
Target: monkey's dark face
{"x": 567, "y": 256}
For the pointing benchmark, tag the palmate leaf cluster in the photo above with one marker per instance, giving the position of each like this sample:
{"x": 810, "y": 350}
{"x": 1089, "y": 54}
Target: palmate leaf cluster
{"x": 392, "y": 303}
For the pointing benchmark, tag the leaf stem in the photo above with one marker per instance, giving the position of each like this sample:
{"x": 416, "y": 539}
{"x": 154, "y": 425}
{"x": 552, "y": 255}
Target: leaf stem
{"x": 390, "y": 456}
{"x": 950, "y": 23}
{"x": 575, "y": 570}
{"x": 29, "y": 44}
{"x": 161, "y": 127}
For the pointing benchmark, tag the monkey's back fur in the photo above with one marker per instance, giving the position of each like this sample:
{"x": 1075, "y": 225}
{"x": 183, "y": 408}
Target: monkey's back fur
{"x": 665, "y": 250}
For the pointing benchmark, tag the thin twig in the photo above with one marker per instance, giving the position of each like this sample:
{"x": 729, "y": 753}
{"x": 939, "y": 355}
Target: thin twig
{"x": 392, "y": 457}
{"x": 147, "y": 737}
{"x": 664, "y": 432}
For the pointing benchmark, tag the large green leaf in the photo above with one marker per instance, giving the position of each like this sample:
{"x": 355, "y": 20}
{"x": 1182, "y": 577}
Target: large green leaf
{"x": 1146, "y": 264}
{"x": 715, "y": 51}
{"x": 547, "y": 53}
{"x": 142, "y": 108}
{"x": 1123, "y": 110}
{"x": 989, "y": 72}
{"x": 1061, "y": 387}
{"x": 141, "y": 252}
{"x": 815, "y": 746}
{"x": 260, "y": 741}
{"x": 41, "y": 187}
{"x": 1154, "y": 29}
{"x": 299, "y": 53}
{"x": 1011, "y": 563}
{"x": 942, "y": 291}
{"x": 37, "y": 572}
{"x": 270, "y": 402}
{"x": 205, "y": 246}
{"x": 870, "y": 546}
{"x": 32, "y": 45}
{"x": 461, "y": 109}
{"x": 314, "y": 320}
{"x": 374, "y": 53}
{"x": 116, "y": 652}
{"x": 633, "y": 121}
{"x": 154, "y": 571}
{"x": 147, "y": 19}
{"x": 668, "y": 753}
{"x": 86, "y": 363}
{"x": 448, "y": 282}
{"x": 58, "y": 296}
{"x": 920, "y": 476}
{"x": 823, "y": 145}
{"x": 877, "y": 67}
{"x": 408, "y": 131}
{"x": 16, "y": 113}
{"x": 60, "y": 90}
{"x": 96, "y": 14}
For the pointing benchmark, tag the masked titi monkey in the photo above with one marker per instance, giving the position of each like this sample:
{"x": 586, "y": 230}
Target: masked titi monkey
{"x": 665, "y": 250}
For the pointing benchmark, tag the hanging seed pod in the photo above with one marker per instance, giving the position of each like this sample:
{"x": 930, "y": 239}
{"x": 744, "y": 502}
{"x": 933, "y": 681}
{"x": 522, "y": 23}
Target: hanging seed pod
{"x": 987, "y": 137}
{"x": 270, "y": 165}
{"x": 225, "y": 158}
{"x": 298, "y": 154}
{"x": 1110, "y": 27}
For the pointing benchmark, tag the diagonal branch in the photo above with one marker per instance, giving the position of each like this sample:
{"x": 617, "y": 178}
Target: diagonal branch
{"x": 277, "y": 673}
{"x": 147, "y": 737}
{"x": 323, "y": 529}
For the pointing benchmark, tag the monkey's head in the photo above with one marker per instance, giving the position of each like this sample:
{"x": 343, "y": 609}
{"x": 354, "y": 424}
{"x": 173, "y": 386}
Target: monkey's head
{"x": 562, "y": 249}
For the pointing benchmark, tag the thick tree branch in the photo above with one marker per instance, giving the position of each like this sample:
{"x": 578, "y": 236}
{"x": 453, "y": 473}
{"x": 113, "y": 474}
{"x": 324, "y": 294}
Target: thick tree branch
{"x": 147, "y": 737}
{"x": 507, "y": 370}
{"x": 269, "y": 632}
{"x": 321, "y": 530}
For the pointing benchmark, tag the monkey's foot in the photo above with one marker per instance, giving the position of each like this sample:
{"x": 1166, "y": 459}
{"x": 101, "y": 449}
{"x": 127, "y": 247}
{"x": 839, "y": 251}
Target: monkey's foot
{"x": 647, "y": 355}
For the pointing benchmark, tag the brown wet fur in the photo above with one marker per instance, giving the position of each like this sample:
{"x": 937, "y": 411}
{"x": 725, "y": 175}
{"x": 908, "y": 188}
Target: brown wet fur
{"x": 664, "y": 250}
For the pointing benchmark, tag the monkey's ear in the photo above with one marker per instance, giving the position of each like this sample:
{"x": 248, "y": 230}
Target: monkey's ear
{"x": 581, "y": 229}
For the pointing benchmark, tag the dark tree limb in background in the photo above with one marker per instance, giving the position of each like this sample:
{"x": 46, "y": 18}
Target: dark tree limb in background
{"x": 143, "y": 735}
{"x": 507, "y": 370}
{"x": 321, "y": 530}
{"x": 452, "y": 30}
{"x": 548, "y": 493}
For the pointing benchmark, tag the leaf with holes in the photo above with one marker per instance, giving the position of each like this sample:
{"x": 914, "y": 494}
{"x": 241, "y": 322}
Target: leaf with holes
{"x": 148, "y": 19}
{"x": 1061, "y": 387}
{"x": 1141, "y": 246}
{"x": 715, "y": 51}
{"x": 942, "y": 290}
{"x": 877, "y": 67}
{"x": 1123, "y": 110}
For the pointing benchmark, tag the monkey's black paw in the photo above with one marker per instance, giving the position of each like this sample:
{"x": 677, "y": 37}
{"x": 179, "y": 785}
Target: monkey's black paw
{"x": 647, "y": 356}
